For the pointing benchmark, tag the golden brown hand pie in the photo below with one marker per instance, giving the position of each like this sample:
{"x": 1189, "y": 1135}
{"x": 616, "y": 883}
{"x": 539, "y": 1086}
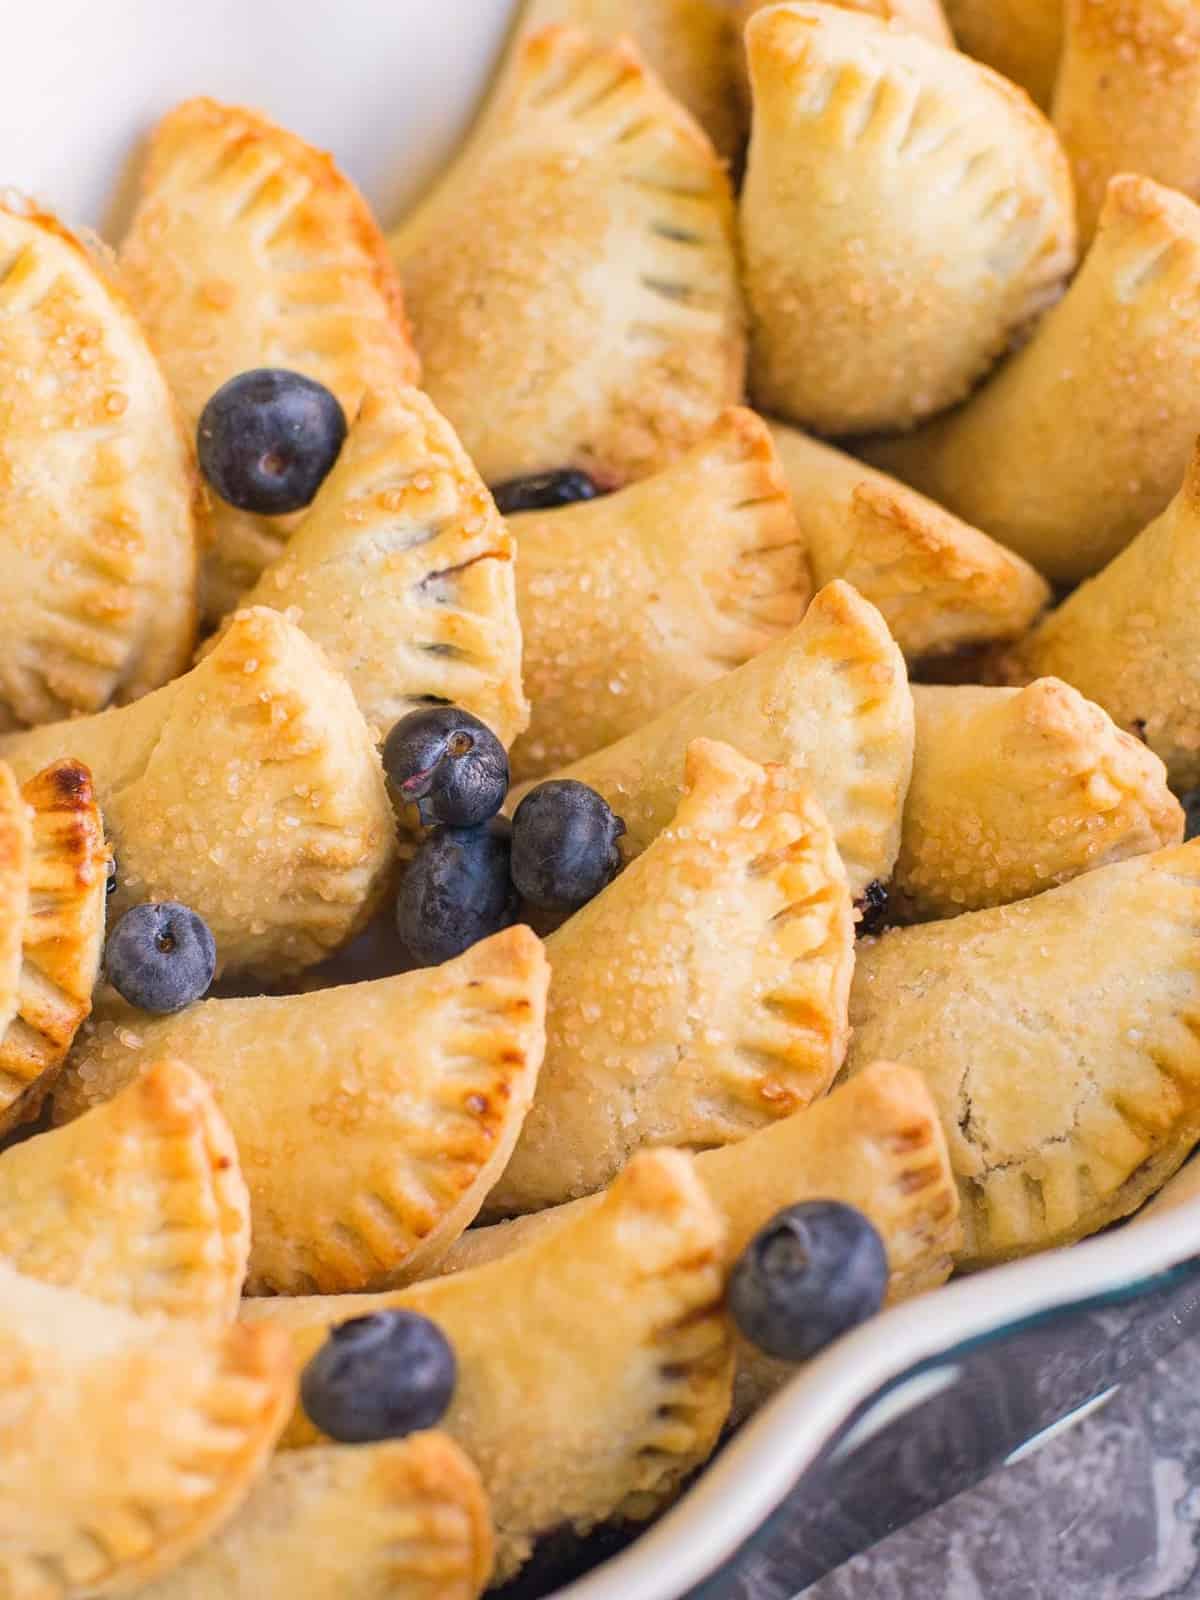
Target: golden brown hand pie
{"x": 16, "y": 858}
{"x": 1126, "y": 637}
{"x": 1019, "y": 38}
{"x": 939, "y": 583}
{"x": 97, "y": 487}
{"x": 124, "y": 1440}
{"x": 249, "y": 789}
{"x": 1014, "y": 791}
{"x": 630, "y": 602}
{"x": 924, "y": 17}
{"x": 1060, "y": 1038}
{"x": 831, "y": 699}
{"x": 62, "y": 939}
{"x": 700, "y": 995}
{"x": 594, "y": 1368}
{"x": 250, "y": 249}
{"x": 589, "y": 316}
{"x": 402, "y": 572}
{"x": 1083, "y": 436}
{"x": 371, "y": 1120}
{"x": 906, "y": 214}
{"x": 1127, "y": 97}
{"x": 404, "y": 1520}
{"x": 140, "y": 1203}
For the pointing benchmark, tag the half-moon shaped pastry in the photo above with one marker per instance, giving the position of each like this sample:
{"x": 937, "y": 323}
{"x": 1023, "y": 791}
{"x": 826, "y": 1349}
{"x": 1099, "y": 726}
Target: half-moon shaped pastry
{"x": 250, "y": 249}
{"x": 125, "y": 1440}
{"x": 402, "y": 572}
{"x": 403, "y": 1520}
{"x": 906, "y": 214}
{"x": 594, "y": 1368}
{"x": 830, "y": 699}
{"x": 62, "y": 939}
{"x": 1015, "y": 790}
{"x": 1127, "y": 97}
{"x": 700, "y": 995}
{"x": 371, "y": 1120}
{"x": 631, "y": 601}
{"x": 939, "y": 583}
{"x": 16, "y": 857}
{"x": 1020, "y": 38}
{"x": 1061, "y": 1039}
{"x": 140, "y": 1203}
{"x": 97, "y": 486}
{"x": 1103, "y": 398}
{"x": 590, "y": 315}
{"x": 1126, "y": 639}
{"x": 249, "y": 789}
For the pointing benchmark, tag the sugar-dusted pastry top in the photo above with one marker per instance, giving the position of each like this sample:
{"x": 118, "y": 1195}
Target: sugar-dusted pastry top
{"x": 250, "y": 249}
{"x": 98, "y": 486}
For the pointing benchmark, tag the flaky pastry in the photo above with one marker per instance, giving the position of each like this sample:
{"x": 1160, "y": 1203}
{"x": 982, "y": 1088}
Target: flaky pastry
{"x": 124, "y": 1440}
{"x": 250, "y": 249}
{"x": 939, "y": 583}
{"x": 906, "y": 214}
{"x": 418, "y": 1084}
{"x": 925, "y": 17}
{"x": 1014, "y": 791}
{"x": 97, "y": 487}
{"x": 1061, "y": 1039}
{"x": 249, "y": 789}
{"x": 590, "y": 315}
{"x": 830, "y": 699}
{"x": 403, "y": 1520}
{"x": 594, "y": 1368}
{"x": 1083, "y": 435}
{"x": 701, "y": 994}
{"x": 402, "y": 572}
{"x": 630, "y": 602}
{"x": 140, "y": 1203}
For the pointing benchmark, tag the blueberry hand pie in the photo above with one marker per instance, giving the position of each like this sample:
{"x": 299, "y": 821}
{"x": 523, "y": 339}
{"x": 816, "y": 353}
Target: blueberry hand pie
{"x": 97, "y": 486}
{"x": 906, "y": 214}
{"x": 701, "y": 994}
{"x": 631, "y": 601}
{"x": 250, "y": 249}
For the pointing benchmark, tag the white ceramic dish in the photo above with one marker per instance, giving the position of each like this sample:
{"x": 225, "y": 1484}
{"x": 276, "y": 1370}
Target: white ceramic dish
{"x": 961, "y": 1379}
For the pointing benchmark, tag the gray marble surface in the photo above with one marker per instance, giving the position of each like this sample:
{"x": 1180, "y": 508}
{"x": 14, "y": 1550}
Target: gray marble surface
{"x": 1107, "y": 1511}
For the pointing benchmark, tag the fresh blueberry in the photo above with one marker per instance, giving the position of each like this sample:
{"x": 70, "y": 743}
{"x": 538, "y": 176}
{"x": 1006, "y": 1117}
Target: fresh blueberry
{"x": 872, "y": 908}
{"x": 544, "y": 491}
{"x": 268, "y": 438}
{"x": 1191, "y": 813}
{"x": 160, "y": 957}
{"x": 449, "y": 764}
{"x": 457, "y": 890}
{"x": 564, "y": 845}
{"x": 813, "y": 1272}
{"x": 379, "y": 1377}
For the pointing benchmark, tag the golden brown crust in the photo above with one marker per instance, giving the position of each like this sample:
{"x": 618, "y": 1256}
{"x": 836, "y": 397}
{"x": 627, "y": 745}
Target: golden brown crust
{"x": 938, "y": 583}
{"x": 1102, "y": 398}
{"x": 402, "y": 572}
{"x": 924, "y": 17}
{"x": 831, "y": 699}
{"x": 630, "y": 602}
{"x": 1020, "y": 38}
{"x": 97, "y": 487}
{"x": 141, "y": 1203}
{"x": 610, "y": 334}
{"x": 249, "y": 789}
{"x": 1127, "y": 96}
{"x": 63, "y": 937}
{"x": 1126, "y": 638}
{"x": 124, "y": 1440}
{"x": 422, "y": 1082}
{"x": 699, "y": 996}
{"x": 904, "y": 200}
{"x": 16, "y": 856}
{"x": 1059, "y": 1037}
{"x": 250, "y": 249}
{"x": 594, "y": 1368}
{"x": 403, "y": 1520}
{"x": 1014, "y": 791}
